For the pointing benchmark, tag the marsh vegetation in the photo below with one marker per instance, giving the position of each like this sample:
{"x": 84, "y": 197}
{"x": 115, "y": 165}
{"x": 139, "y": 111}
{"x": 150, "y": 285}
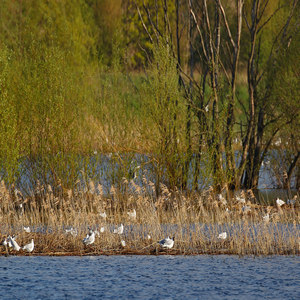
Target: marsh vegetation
{"x": 58, "y": 223}
{"x": 177, "y": 101}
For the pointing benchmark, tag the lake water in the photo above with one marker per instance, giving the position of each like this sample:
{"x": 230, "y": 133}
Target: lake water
{"x": 109, "y": 169}
{"x": 150, "y": 277}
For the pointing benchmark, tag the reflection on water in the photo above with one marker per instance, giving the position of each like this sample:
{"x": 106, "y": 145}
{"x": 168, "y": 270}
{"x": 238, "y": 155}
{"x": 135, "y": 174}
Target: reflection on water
{"x": 108, "y": 169}
{"x": 148, "y": 277}
{"x": 269, "y": 196}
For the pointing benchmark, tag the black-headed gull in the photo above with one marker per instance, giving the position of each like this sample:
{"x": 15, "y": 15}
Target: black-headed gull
{"x": 71, "y": 231}
{"x": 119, "y": 230}
{"x": 132, "y": 214}
{"x": 266, "y": 218}
{"x": 7, "y": 242}
{"x": 222, "y": 236}
{"x": 222, "y": 199}
{"x": 246, "y": 209}
{"x": 279, "y": 202}
{"x": 27, "y": 229}
{"x": 241, "y": 200}
{"x": 89, "y": 239}
{"x": 167, "y": 242}
{"x": 14, "y": 244}
{"x": 103, "y": 215}
{"x": 29, "y": 247}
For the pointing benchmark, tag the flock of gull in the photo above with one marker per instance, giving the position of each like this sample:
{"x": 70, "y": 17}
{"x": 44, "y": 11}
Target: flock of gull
{"x": 246, "y": 208}
{"x": 11, "y": 242}
{"x": 89, "y": 239}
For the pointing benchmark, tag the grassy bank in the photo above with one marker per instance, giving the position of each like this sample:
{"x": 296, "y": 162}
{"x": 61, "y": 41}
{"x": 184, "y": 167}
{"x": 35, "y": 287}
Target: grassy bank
{"x": 196, "y": 220}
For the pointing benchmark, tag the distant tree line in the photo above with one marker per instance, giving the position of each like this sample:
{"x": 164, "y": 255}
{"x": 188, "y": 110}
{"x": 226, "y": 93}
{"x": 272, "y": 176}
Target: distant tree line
{"x": 200, "y": 83}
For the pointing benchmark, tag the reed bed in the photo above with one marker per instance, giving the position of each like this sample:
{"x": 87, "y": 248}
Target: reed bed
{"x": 59, "y": 219}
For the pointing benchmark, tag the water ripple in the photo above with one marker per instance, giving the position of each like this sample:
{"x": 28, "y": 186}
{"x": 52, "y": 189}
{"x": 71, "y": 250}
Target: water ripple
{"x": 148, "y": 277}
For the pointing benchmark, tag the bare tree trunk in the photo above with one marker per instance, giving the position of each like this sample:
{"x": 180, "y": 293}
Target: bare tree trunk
{"x": 251, "y": 75}
{"x": 298, "y": 179}
{"x": 292, "y": 167}
{"x": 252, "y": 156}
{"x": 257, "y": 151}
{"x": 188, "y": 125}
{"x": 230, "y": 160}
{"x": 213, "y": 47}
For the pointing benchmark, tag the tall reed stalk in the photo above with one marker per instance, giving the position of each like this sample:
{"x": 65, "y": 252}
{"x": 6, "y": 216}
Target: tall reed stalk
{"x": 195, "y": 220}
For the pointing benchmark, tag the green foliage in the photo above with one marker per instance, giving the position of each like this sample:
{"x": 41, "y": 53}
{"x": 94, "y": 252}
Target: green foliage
{"x": 285, "y": 83}
{"x": 9, "y": 142}
{"x": 166, "y": 109}
{"x": 45, "y": 91}
{"x": 65, "y": 92}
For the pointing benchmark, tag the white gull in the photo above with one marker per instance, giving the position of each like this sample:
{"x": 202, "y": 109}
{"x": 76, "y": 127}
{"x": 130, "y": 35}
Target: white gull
{"x": 89, "y": 239}
{"x": 29, "y": 247}
{"x": 167, "y": 242}
{"x": 119, "y": 230}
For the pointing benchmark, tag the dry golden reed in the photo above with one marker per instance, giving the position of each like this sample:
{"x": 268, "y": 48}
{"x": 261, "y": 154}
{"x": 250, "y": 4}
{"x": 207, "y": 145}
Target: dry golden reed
{"x": 60, "y": 220}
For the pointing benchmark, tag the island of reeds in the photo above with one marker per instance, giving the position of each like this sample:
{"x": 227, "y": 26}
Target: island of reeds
{"x": 198, "y": 222}
{"x": 164, "y": 116}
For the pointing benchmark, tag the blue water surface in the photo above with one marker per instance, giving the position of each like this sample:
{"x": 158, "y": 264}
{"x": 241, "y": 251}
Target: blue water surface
{"x": 150, "y": 277}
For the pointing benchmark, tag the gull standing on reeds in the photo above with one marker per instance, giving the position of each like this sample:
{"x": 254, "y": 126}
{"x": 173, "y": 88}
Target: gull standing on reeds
{"x": 89, "y": 239}
{"x": 246, "y": 209}
{"x": 241, "y": 200}
{"x": 132, "y": 214}
{"x": 222, "y": 236}
{"x": 167, "y": 242}
{"x": 14, "y": 244}
{"x": 123, "y": 243}
{"x": 27, "y": 229}
{"x": 29, "y": 247}
{"x": 7, "y": 242}
{"x": 222, "y": 199}
{"x": 266, "y": 218}
{"x": 119, "y": 230}
{"x": 279, "y": 202}
{"x": 71, "y": 231}
{"x": 148, "y": 237}
{"x": 103, "y": 215}
{"x": 102, "y": 229}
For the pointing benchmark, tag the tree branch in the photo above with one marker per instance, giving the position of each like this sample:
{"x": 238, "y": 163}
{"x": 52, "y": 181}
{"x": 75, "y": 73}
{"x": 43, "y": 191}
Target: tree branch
{"x": 199, "y": 31}
{"x": 226, "y": 23}
{"x": 143, "y": 23}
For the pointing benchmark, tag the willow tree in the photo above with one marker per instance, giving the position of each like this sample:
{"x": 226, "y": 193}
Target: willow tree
{"x": 50, "y": 48}
{"x": 218, "y": 44}
{"x": 269, "y": 28}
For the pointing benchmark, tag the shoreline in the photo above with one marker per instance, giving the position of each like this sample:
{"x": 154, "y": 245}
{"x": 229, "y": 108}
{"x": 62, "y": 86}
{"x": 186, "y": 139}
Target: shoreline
{"x": 58, "y": 254}
{"x": 152, "y": 252}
